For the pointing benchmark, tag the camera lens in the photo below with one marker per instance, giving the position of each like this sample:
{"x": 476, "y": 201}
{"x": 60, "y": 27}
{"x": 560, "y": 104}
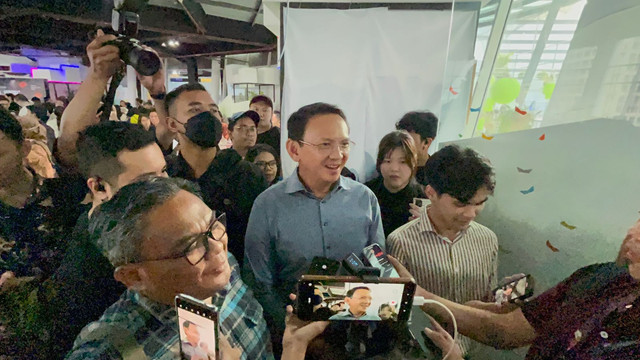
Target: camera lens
{"x": 145, "y": 62}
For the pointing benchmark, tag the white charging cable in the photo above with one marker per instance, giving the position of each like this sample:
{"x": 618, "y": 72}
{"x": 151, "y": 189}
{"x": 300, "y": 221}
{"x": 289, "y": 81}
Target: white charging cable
{"x": 419, "y": 301}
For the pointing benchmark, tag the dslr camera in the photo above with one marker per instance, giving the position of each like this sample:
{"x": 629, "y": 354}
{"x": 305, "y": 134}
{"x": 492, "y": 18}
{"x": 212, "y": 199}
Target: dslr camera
{"x": 125, "y": 24}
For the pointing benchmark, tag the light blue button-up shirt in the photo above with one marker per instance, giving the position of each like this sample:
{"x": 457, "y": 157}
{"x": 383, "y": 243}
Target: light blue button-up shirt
{"x": 289, "y": 226}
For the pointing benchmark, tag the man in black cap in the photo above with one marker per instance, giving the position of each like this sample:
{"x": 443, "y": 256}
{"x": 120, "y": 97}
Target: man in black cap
{"x": 243, "y": 131}
{"x": 228, "y": 183}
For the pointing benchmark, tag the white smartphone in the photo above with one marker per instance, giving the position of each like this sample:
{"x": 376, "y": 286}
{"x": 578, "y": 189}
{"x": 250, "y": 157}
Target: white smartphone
{"x": 198, "y": 327}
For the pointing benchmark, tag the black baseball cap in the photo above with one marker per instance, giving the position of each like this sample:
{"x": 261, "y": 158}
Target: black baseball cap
{"x": 239, "y": 115}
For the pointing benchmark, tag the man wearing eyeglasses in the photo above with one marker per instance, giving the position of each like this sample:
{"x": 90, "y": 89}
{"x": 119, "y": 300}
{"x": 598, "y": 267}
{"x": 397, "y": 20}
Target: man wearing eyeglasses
{"x": 243, "y": 129}
{"x": 314, "y": 212}
{"x": 163, "y": 241}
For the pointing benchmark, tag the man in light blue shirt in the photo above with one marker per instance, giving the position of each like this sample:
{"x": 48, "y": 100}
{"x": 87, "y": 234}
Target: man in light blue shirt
{"x": 359, "y": 300}
{"x": 314, "y": 212}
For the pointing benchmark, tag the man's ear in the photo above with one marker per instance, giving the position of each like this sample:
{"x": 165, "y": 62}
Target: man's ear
{"x": 131, "y": 275}
{"x": 172, "y": 124}
{"x": 427, "y": 143}
{"x": 430, "y": 192}
{"x": 100, "y": 189}
{"x": 293, "y": 148}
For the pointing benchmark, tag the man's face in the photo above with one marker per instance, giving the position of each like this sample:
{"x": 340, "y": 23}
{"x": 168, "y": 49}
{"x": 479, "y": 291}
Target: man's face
{"x": 359, "y": 302}
{"x": 11, "y": 159}
{"x": 172, "y": 228}
{"x": 244, "y": 133}
{"x": 188, "y": 105}
{"x": 265, "y": 111}
{"x": 422, "y": 146}
{"x": 153, "y": 117}
{"x": 4, "y": 103}
{"x": 193, "y": 335}
{"x": 145, "y": 161}
{"x": 454, "y": 213}
{"x": 322, "y": 166}
{"x": 629, "y": 253}
{"x": 385, "y": 313}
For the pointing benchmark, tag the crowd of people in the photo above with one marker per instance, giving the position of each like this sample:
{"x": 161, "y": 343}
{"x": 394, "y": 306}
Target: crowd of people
{"x": 105, "y": 222}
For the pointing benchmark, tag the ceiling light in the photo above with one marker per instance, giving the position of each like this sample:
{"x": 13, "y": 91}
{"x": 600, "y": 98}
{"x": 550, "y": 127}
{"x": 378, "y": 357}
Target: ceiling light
{"x": 164, "y": 44}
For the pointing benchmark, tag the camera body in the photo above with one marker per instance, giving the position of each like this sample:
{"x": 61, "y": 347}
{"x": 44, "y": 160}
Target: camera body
{"x": 126, "y": 23}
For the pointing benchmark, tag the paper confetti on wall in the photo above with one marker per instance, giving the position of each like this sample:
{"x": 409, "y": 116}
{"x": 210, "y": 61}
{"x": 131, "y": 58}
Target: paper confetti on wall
{"x": 542, "y": 137}
{"x": 570, "y": 227}
{"x": 528, "y": 191}
{"x": 523, "y": 170}
{"x": 487, "y": 137}
{"x": 553, "y": 248}
{"x": 476, "y": 109}
{"x": 520, "y": 111}
{"x": 452, "y": 91}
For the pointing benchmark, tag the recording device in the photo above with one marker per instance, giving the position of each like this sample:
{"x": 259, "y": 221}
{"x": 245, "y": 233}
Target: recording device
{"x": 419, "y": 202}
{"x": 198, "y": 327}
{"x": 377, "y": 258}
{"x": 416, "y": 324}
{"x": 125, "y": 21}
{"x": 354, "y": 298}
{"x": 355, "y": 266}
{"x": 323, "y": 266}
{"x": 519, "y": 289}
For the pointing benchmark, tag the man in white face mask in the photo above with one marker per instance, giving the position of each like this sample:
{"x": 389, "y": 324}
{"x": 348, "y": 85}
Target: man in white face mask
{"x": 229, "y": 184}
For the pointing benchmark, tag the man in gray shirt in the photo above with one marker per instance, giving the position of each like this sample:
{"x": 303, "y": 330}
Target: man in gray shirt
{"x": 359, "y": 300}
{"x": 314, "y": 212}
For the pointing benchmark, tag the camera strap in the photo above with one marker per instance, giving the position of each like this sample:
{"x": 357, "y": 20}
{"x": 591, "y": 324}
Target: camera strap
{"x": 111, "y": 94}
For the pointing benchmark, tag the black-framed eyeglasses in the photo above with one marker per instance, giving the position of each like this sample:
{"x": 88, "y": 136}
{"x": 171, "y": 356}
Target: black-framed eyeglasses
{"x": 198, "y": 245}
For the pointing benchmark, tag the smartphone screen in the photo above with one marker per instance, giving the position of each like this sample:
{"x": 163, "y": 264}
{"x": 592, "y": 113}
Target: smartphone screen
{"x": 197, "y": 323}
{"x": 377, "y": 258}
{"x": 516, "y": 290}
{"x": 420, "y": 202}
{"x": 354, "y": 300}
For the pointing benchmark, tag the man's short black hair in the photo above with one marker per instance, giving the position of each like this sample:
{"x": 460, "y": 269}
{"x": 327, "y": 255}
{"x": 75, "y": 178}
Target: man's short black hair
{"x": 297, "y": 123}
{"x": 173, "y": 95}
{"x": 353, "y": 291}
{"x": 187, "y": 323}
{"x": 21, "y": 97}
{"x": 10, "y": 126}
{"x": 99, "y": 145}
{"x": 263, "y": 99}
{"x": 4, "y": 98}
{"x": 458, "y": 172}
{"x": 424, "y": 124}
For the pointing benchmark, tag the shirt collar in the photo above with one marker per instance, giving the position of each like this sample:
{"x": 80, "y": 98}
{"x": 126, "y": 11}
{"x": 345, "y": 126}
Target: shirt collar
{"x": 427, "y": 226}
{"x": 294, "y": 185}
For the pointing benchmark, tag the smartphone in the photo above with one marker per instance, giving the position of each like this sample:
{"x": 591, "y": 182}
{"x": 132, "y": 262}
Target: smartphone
{"x": 323, "y": 266}
{"x": 377, "y": 258}
{"x": 519, "y": 289}
{"x": 198, "y": 327}
{"x": 416, "y": 324}
{"x": 420, "y": 202}
{"x": 352, "y": 298}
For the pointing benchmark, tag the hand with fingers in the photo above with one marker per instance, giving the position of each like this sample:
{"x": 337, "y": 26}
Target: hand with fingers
{"x": 415, "y": 211}
{"x": 443, "y": 340}
{"x": 298, "y": 334}
{"x": 105, "y": 60}
{"x": 227, "y": 351}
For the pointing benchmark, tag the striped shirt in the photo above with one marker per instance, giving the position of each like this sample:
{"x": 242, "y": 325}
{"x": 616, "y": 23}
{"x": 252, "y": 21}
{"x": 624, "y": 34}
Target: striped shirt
{"x": 460, "y": 270}
{"x": 155, "y": 326}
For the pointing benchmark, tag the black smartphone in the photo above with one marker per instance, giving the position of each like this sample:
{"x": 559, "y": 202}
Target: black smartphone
{"x": 416, "y": 324}
{"x": 198, "y": 327}
{"x": 377, "y": 258}
{"x": 323, "y": 266}
{"x": 352, "y": 298}
{"x": 519, "y": 289}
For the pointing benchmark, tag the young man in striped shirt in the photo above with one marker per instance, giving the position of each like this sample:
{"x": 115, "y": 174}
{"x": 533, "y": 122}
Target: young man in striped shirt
{"x": 447, "y": 252}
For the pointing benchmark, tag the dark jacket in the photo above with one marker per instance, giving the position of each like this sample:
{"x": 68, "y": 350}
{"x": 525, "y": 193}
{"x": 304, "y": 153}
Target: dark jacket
{"x": 394, "y": 208}
{"x": 229, "y": 185}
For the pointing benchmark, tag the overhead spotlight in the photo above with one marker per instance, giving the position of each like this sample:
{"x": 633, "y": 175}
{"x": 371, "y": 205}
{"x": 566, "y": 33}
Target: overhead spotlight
{"x": 164, "y": 44}
{"x": 175, "y": 72}
{"x": 173, "y": 43}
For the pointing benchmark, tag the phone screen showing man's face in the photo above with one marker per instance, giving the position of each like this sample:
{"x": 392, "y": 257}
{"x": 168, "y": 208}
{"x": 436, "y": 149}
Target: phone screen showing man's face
{"x": 197, "y": 332}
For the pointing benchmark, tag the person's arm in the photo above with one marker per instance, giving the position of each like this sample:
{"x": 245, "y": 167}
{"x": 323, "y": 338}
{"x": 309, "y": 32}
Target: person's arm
{"x": 443, "y": 340}
{"x": 502, "y": 331}
{"x": 376, "y": 232}
{"x": 259, "y": 266}
{"x": 156, "y": 86}
{"x": 81, "y": 111}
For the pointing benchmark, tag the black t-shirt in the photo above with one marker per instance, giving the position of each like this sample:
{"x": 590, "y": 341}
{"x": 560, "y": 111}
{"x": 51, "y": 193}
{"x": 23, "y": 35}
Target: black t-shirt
{"x": 229, "y": 185}
{"x": 36, "y": 236}
{"x": 270, "y": 137}
{"x": 394, "y": 207}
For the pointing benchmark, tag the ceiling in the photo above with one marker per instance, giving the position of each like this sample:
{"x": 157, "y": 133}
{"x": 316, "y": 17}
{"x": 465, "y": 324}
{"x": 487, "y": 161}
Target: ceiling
{"x": 201, "y": 27}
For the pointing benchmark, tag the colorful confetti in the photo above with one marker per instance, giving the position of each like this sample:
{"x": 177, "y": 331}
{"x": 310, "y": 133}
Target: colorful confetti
{"x": 523, "y": 170}
{"x": 452, "y": 91}
{"x": 570, "y": 227}
{"x": 487, "y": 137}
{"x": 520, "y": 111}
{"x": 528, "y": 191}
{"x": 541, "y": 137}
{"x": 476, "y": 109}
{"x": 459, "y": 135}
{"x": 553, "y": 248}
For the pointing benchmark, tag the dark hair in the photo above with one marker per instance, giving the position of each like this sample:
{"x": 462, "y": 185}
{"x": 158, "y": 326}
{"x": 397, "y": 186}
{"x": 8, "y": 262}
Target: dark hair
{"x": 118, "y": 225}
{"x": 187, "y": 323}
{"x": 14, "y": 107}
{"x": 424, "y": 124}
{"x": 297, "y": 123}
{"x": 352, "y": 291}
{"x": 385, "y": 305}
{"x": 4, "y": 98}
{"x": 398, "y": 139}
{"x": 458, "y": 172}
{"x": 258, "y": 149}
{"x": 10, "y": 126}
{"x": 173, "y": 95}
{"x": 21, "y": 97}
{"x": 99, "y": 145}
{"x": 263, "y": 99}
{"x": 35, "y": 99}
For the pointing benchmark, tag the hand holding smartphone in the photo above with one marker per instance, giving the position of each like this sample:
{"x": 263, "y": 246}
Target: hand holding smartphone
{"x": 515, "y": 290}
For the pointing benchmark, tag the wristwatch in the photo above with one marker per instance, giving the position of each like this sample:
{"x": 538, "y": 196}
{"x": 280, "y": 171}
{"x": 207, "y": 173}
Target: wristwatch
{"x": 159, "y": 96}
